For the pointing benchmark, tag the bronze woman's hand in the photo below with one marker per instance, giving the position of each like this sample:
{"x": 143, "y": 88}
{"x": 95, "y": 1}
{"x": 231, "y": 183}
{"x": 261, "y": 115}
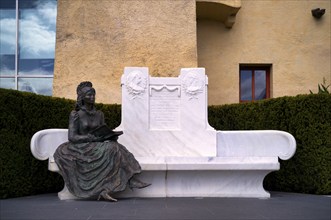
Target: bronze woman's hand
{"x": 92, "y": 138}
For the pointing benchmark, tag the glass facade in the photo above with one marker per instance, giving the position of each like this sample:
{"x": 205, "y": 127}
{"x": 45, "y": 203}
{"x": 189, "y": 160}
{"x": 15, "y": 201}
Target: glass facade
{"x": 27, "y": 45}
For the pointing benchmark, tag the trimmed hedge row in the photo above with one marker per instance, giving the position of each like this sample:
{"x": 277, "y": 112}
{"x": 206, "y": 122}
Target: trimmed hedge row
{"x": 306, "y": 117}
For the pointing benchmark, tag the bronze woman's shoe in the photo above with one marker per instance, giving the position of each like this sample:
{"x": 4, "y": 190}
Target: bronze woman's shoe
{"x": 136, "y": 183}
{"x": 106, "y": 196}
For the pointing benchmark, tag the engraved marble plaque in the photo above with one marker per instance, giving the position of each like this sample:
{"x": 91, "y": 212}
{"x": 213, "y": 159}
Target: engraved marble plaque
{"x": 164, "y": 108}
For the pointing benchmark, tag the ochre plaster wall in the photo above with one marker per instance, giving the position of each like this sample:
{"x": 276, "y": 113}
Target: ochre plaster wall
{"x": 96, "y": 39}
{"x": 281, "y": 33}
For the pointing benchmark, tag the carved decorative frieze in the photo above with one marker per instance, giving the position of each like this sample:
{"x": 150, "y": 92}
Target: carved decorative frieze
{"x": 136, "y": 84}
{"x": 193, "y": 84}
{"x": 169, "y": 88}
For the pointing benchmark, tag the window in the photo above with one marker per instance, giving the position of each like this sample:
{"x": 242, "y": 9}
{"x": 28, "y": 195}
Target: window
{"x": 27, "y": 45}
{"x": 254, "y": 83}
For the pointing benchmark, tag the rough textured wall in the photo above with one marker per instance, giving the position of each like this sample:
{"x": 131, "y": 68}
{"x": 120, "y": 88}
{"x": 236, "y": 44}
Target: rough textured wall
{"x": 96, "y": 39}
{"x": 281, "y": 33}
{"x": 232, "y": 3}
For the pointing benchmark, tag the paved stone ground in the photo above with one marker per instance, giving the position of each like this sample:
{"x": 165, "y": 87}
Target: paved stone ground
{"x": 281, "y": 206}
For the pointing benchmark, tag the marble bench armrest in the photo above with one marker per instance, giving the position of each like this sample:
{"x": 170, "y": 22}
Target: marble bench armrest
{"x": 44, "y": 143}
{"x": 263, "y": 143}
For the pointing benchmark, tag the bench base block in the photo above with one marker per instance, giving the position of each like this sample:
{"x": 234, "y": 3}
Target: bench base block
{"x": 206, "y": 183}
{"x": 212, "y": 183}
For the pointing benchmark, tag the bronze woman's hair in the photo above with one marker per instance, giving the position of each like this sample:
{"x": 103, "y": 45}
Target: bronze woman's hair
{"x": 82, "y": 89}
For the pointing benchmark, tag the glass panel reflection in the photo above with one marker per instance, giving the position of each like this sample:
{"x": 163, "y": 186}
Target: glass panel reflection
{"x": 246, "y": 85}
{"x": 260, "y": 84}
{"x": 7, "y": 83}
{"x": 36, "y": 66}
{"x": 37, "y": 29}
{"x": 7, "y": 37}
{"x": 42, "y": 86}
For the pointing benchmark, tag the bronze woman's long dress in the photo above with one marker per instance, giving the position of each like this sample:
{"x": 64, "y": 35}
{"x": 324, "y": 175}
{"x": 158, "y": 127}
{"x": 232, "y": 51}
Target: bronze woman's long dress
{"x": 92, "y": 167}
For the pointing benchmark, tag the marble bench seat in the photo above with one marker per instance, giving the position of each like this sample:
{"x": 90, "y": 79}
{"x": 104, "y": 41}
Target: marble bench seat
{"x": 223, "y": 175}
{"x": 208, "y": 163}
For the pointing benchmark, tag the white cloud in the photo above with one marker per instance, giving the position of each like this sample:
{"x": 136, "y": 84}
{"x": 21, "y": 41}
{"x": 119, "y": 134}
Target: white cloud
{"x": 48, "y": 11}
{"x": 35, "y": 40}
{"x": 36, "y": 32}
{"x": 7, "y": 35}
{"x": 38, "y": 71}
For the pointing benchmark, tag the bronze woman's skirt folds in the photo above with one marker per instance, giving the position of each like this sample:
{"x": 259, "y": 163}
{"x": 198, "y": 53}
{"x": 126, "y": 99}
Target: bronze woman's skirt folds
{"x": 90, "y": 168}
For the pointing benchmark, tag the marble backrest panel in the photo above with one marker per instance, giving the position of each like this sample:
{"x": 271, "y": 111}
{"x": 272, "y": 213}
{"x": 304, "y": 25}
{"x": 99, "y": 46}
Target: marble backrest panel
{"x": 166, "y": 116}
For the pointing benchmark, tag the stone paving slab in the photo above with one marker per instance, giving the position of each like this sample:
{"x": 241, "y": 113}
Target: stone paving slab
{"x": 281, "y": 206}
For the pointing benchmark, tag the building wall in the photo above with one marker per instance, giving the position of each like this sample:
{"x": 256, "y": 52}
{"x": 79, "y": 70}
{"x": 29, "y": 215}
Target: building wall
{"x": 281, "y": 33}
{"x": 96, "y": 39}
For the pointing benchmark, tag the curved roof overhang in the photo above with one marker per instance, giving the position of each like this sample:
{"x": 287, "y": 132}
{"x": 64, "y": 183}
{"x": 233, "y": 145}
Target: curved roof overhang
{"x": 224, "y": 11}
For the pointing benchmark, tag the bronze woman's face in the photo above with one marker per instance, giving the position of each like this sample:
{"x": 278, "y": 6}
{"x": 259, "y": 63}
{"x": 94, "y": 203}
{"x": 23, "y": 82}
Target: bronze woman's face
{"x": 89, "y": 97}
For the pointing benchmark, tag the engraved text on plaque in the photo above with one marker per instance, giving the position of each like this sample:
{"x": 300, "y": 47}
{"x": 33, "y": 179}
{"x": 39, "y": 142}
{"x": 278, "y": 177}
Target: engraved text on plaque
{"x": 164, "y": 108}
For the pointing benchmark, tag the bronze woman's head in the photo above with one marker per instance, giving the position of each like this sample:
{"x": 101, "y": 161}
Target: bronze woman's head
{"x": 82, "y": 89}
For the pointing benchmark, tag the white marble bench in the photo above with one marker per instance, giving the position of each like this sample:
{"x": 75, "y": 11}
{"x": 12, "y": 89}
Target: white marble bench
{"x": 243, "y": 160}
{"x": 179, "y": 152}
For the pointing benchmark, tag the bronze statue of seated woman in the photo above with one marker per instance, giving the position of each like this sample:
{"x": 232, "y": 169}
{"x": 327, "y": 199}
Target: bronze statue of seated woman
{"x": 93, "y": 164}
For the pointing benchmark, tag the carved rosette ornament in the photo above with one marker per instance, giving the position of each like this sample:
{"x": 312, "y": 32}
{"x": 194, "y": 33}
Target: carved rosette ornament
{"x": 136, "y": 84}
{"x": 193, "y": 84}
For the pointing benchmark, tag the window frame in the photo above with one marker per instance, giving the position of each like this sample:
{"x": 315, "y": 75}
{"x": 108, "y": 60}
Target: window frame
{"x": 254, "y": 68}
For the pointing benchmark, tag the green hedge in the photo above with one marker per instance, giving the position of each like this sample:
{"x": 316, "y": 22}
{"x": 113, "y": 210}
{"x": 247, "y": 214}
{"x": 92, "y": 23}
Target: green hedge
{"x": 306, "y": 117}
